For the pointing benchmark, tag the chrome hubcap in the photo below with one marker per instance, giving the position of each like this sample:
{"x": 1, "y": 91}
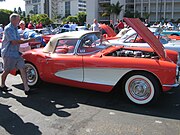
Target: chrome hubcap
{"x": 31, "y": 75}
{"x": 139, "y": 89}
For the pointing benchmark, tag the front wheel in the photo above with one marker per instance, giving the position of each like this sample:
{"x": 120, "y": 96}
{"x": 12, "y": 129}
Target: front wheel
{"x": 32, "y": 75}
{"x": 141, "y": 88}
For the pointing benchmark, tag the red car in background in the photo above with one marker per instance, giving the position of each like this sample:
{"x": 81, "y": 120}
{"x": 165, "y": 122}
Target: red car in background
{"x": 107, "y": 31}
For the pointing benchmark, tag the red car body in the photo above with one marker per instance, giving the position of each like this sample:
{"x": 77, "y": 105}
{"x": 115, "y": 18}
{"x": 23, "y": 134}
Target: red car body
{"x": 142, "y": 73}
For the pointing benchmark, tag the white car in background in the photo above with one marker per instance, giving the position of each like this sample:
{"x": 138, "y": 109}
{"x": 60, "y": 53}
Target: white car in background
{"x": 79, "y": 28}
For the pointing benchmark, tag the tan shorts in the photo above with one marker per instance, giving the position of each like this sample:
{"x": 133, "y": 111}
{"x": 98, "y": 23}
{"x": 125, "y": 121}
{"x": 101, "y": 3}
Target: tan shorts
{"x": 11, "y": 63}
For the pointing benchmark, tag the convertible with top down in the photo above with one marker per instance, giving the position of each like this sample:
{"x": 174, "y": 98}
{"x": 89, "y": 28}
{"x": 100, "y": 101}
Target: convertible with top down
{"x": 85, "y": 59}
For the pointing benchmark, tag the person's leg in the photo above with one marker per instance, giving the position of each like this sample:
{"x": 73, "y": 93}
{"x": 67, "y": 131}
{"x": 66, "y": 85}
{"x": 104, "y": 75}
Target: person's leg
{"x": 21, "y": 66}
{"x": 27, "y": 90}
{"x": 8, "y": 65}
{"x": 24, "y": 79}
{"x": 3, "y": 78}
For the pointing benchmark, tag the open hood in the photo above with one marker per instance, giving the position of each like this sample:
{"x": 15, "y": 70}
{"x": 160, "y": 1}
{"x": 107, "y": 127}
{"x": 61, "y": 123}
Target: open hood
{"x": 147, "y": 35}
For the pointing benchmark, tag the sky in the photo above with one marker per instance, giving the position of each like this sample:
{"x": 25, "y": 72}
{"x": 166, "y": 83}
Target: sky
{"x": 11, "y": 4}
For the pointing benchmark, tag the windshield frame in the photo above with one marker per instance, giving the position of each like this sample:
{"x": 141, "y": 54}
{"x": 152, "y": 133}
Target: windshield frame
{"x": 92, "y": 43}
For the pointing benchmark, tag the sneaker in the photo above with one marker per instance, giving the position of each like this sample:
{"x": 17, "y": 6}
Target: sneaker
{"x": 5, "y": 89}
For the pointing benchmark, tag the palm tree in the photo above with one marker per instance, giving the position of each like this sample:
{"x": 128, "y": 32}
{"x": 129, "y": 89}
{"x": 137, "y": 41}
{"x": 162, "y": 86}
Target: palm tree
{"x": 106, "y": 9}
{"x": 31, "y": 12}
{"x": 113, "y": 9}
{"x": 116, "y": 9}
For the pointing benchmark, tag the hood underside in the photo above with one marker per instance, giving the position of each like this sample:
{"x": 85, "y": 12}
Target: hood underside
{"x": 146, "y": 35}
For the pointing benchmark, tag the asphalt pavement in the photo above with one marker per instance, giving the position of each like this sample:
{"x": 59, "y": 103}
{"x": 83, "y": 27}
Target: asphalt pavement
{"x": 62, "y": 110}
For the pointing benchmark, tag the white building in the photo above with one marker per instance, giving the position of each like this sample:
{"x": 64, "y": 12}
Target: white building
{"x": 158, "y": 9}
{"x": 35, "y": 6}
{"x": 71, "y": 7}
{"x": 55, "y": 7}
{"x": 167, "y": 9}
{"x": 95, "y": 9}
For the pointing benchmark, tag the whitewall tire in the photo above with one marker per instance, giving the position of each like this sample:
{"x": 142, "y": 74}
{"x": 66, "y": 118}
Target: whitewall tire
{"x": 32, "y": 75}
{"x": 141, "y": 88}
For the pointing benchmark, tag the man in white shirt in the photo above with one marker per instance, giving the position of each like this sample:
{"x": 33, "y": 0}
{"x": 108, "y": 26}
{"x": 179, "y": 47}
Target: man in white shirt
{"x": 95, "y": 26}
{"x": 23, "y": 47}
{"x": 22, "y": 27}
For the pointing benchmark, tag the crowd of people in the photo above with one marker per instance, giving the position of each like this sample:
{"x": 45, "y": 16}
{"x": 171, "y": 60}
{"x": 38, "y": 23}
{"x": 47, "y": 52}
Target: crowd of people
{"x": 35, "y": 26}
{"x": 117, "y": 26}
{"x": 70, "y": 25}
{"x": 167, "y": 25}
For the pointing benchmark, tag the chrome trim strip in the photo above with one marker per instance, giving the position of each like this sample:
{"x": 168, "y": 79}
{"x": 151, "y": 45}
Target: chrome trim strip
{"x": 172, "y": 85}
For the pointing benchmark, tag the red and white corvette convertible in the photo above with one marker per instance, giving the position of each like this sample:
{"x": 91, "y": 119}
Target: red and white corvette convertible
{"x": 83, "y": 59}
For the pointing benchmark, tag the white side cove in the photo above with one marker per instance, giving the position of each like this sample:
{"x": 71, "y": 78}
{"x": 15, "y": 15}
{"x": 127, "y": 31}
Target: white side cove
{"x": 75, "y": 74}
{"x": 106, "y": 76}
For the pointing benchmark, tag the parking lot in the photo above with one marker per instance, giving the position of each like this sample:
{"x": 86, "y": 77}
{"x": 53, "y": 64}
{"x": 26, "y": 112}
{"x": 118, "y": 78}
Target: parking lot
{"x": 61, "y": 110}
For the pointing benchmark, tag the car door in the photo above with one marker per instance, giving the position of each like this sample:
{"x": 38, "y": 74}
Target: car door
{"x": 95, "y": 68}
{"x": 102, "y": 73}
{"x": 64, "y": 65}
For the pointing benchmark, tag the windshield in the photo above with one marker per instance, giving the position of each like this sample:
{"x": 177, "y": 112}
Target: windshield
{"x": 92, "y": 43}
{"x": 133, "y": 37}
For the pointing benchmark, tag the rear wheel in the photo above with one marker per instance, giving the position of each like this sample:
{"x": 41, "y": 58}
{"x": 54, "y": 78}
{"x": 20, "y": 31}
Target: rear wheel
{"x": 141, "y": 88}
{"x": 32, "y": 75}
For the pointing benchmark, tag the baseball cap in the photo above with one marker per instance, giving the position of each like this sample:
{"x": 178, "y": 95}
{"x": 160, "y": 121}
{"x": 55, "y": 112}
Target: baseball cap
{"x": 21, "y": 22}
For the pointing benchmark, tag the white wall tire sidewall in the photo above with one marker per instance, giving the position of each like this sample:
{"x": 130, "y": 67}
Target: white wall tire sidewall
{"x": 131, "y": 97}
{"x": 36, "y": 80}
